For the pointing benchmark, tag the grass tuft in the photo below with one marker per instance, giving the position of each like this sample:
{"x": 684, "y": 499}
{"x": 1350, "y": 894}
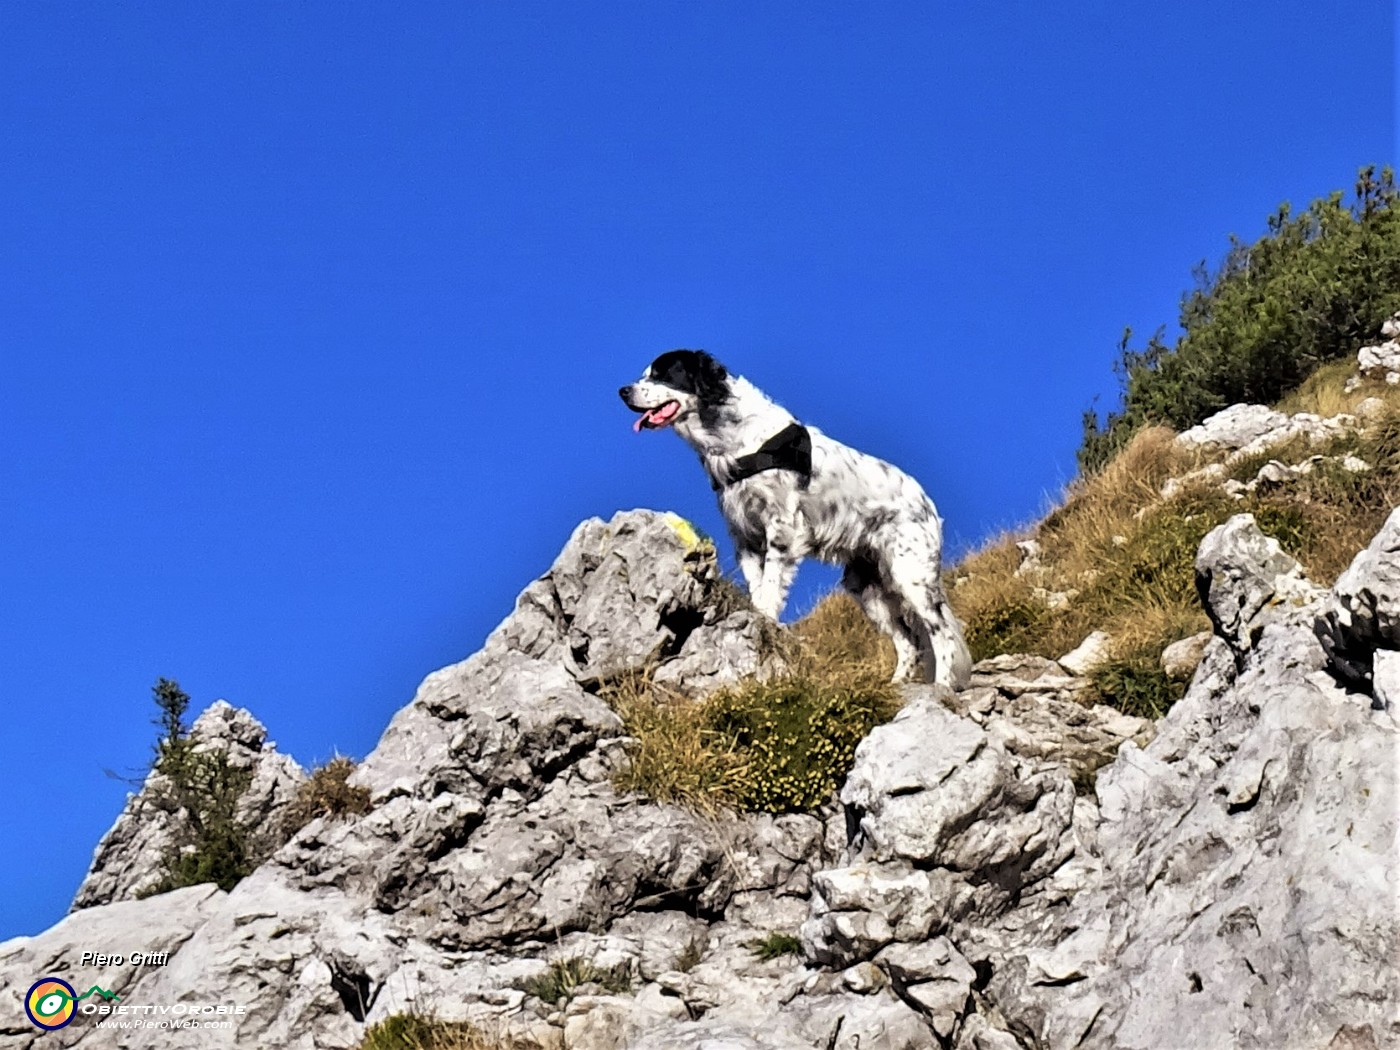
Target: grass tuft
{"x": 776, "y": 945}
{"x": 1136, "y": 685}
{"x": 565, "y": 977}
{"x": 776, "y": 746}
{"x": 414, "y": 1031}
{"x": 326, "y": 793}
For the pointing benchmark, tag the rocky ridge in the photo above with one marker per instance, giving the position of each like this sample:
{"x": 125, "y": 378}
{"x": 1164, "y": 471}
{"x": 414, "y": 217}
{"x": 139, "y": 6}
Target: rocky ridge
{"x": 1006, "y": 867}
{"x": 129, "y": 859}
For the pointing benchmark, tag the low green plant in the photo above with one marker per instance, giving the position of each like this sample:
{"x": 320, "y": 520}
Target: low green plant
{"x": 797, "y": 737}
{"x": 1136, "y": 685}
{"x": 775, "y": 945}
{"x": 564, "y": 977}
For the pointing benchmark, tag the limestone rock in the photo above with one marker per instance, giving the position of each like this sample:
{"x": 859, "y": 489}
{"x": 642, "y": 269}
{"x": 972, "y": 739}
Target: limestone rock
{"x": 1226, "y": 880}
{"x": 1385, "y": 679}
{"x": 1180, "y": 659}
{"x": 154, "y": 925}
{"x": 1241, "y": 856}
{"x": 857, "y": 911}
{"x": 935, "y": 977}
{"x": 132, "y": 855}
{"x": 1246, "y": 430}
{"x": 1030, "y": 553}
{"x": 948, "y": 825}
{"x": 1239, "y": 572}
{"x": 1052, "y": 728}
{"x": 654, "y": 566}
{"x": 1039, "y": 714}
{"x": 1362, "y": 617}
{"x": 1371, "y": 408}
{"x": 1094, "y": 651}
{"x": 1380, "y": 361}
{"x": 497, "y": 844}
{"x": 721, "y": 654}
{"x": 1235, "y": 427}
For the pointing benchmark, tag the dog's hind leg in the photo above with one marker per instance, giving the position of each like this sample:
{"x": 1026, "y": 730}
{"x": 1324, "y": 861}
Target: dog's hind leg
{"x": 862, "y": 580}
{"x": 948, "y": 648}
{"x": 946, "y": 659}
{"x": 885, "y": 613}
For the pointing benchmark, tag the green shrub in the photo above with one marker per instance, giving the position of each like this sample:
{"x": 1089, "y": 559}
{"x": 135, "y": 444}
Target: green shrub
{"x": 1314, "y": 288}
{"x": 200, "y": 790}
{"x": 776, "y": 945}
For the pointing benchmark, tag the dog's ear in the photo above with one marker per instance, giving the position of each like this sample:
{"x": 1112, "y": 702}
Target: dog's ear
{"x": 711, "y": 377}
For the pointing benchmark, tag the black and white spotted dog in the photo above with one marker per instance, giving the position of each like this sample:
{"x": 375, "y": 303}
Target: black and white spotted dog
{"x": 788, "y": 491}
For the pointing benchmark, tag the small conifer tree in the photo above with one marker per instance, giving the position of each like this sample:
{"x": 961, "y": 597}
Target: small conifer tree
{"x": 200, "y": 790}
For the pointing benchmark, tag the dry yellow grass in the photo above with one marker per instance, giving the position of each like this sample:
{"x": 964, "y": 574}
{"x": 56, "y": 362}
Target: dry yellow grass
{"x": 325, "y": 794}
{"x": 838, "y": 646}
{"x": 1088, "y": 545}
{"x": 677, "y": 756}
{"x": 416, "y": 1031}
{"x": 1324, "y": 392}
{"x": 777, "y": 745}
{"x": 1124, "y": 554}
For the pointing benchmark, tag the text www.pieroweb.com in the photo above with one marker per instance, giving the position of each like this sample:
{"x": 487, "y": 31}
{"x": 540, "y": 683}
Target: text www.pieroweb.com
{"x": 158, "y": 1023}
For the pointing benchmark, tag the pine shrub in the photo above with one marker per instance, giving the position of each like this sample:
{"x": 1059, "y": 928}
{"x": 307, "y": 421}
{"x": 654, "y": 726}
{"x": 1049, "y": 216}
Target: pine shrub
{"x": 1316, "y": 287}
{"x": 200, "y": 789}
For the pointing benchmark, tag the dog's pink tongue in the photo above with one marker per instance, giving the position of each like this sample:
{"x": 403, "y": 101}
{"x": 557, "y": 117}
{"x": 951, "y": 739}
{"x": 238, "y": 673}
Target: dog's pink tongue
{"x": 653, "y": 418}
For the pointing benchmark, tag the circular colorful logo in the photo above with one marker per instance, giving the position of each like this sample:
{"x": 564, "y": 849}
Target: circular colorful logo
{"x": 50, "y": 1003}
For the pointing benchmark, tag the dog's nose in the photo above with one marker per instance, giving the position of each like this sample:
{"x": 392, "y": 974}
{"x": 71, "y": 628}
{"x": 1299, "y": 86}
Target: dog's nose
{"x": 625, "y": 393}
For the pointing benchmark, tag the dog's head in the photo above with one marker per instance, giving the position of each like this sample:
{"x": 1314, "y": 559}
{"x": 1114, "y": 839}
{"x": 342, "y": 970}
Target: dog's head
{"x": 677, "y": 385}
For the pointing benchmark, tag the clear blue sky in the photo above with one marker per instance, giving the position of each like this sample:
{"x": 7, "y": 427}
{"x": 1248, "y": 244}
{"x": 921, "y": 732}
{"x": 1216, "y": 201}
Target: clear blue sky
{"x": 313, "y": 314}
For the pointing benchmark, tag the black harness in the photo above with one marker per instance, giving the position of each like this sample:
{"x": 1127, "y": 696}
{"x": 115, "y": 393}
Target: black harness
{"x": 788, "y": 449}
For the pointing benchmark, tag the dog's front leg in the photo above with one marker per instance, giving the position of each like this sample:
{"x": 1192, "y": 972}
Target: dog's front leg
{"x": 779, "y": 566}
{"x": 751, "y": 565}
